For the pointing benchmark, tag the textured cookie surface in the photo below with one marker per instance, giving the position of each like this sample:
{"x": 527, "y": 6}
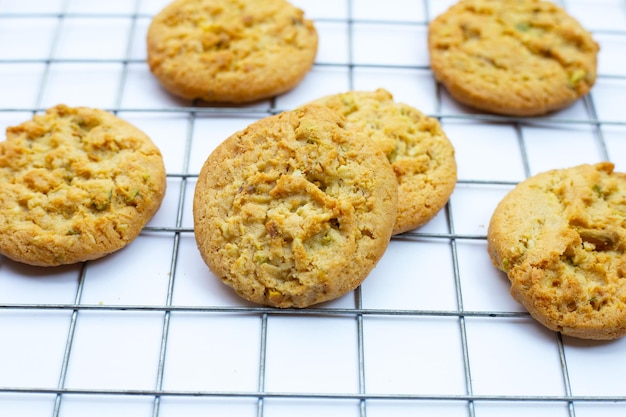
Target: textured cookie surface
{"x": 560, "y": 236}
{"x": 230, "y": 50}
{"x": 293, "y": 211}
{"x": 77, "y": 184}
{"x": 420, "y": 154}
{"x": 515, "y": 57}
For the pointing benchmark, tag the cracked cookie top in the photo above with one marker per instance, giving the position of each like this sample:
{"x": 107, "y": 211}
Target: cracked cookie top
{"x": 420, "y": 154}
{"x": 513, "y": 57}
{"x": 295, "y": 209}
{"x": 77, "y": 184}
{"x": 560, "y": 236}
{"x": 231, "y": 51}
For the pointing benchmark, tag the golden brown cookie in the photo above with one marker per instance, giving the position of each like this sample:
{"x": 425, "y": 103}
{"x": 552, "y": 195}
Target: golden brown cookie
{"x": 420, "y": 154}
{"x": 77, "y": 184}
{"x": 560, "y": 236}
{"x": 512, "y": 57}
{"x": 230, "y": 50}
{"x": 294, "y": 210}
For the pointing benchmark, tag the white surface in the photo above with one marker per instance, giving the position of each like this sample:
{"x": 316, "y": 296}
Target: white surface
{"x": 412, "y": 357}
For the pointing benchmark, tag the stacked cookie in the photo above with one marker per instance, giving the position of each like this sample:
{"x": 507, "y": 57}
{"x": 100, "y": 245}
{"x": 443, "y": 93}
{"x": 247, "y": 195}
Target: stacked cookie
{"x": 294, "y": 210}
{"x": 418, "y": 150}
{"x": 298, "y": 208}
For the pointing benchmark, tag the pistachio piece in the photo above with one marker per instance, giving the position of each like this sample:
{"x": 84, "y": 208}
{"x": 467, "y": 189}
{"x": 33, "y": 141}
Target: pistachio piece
{"x": 522, "y": 26}
{"x": 602, "y": 240}
{"x": 576, "y": 77}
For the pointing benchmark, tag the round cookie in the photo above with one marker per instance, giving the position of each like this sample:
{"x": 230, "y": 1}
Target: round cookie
{"x": 77, "y": 184}
{"x": 560, "y": 236}
{"x": 420, "y": 154}
{"x": 512, "y": 57}
{"x": 230, "y": 51}
{"x": 293, "y": 210}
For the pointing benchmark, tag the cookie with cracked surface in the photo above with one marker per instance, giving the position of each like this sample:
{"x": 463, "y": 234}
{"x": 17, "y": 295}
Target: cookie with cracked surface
{"x": 230, "y": 51}
{"x": 512, "y": 57}
{"x": 560, "y": 236}
{"x": 294, "y": 210}
{"x": 420, "y": 154}
{"x": 77, "y": 184}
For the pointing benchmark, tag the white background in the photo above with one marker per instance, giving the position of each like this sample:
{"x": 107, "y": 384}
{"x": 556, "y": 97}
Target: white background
{"x": 436, "y": 332}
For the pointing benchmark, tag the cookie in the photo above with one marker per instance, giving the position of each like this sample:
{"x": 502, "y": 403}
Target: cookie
{"x": 420, "y": 154}
{"x": 294, "y": 210}
{"x": 512, "y": 57}
{"x": 77, "y": 184}
{"x": 230, "y": 51}
{"x": 560, "y": 236}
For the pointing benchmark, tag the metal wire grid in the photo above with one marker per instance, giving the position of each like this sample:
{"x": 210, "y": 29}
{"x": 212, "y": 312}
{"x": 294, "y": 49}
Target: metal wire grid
{"x": 264, "y": 314}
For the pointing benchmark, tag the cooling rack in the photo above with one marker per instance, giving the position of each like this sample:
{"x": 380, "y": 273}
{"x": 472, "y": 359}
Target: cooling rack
{"x": 433, "y": 331}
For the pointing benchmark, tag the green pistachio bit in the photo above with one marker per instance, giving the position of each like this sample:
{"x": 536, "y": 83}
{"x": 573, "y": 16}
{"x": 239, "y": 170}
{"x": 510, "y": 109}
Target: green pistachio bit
{"x": 522, "y": 26}
{"x": 274, "y": 295}
{"x": 576, "y": 77}
{"x": 596, "y": 188}
{"x": 506, "y": 265}
{"x": 260, "y": 259}
{"x": 102, "y": 205}
{"x": 393, "y": 155}
{"x": 346, "y": 100}
{"x": 132, "y": 195}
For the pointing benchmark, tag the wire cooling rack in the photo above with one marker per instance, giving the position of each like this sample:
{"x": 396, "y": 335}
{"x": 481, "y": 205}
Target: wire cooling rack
{"x": 433, "y": 331}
